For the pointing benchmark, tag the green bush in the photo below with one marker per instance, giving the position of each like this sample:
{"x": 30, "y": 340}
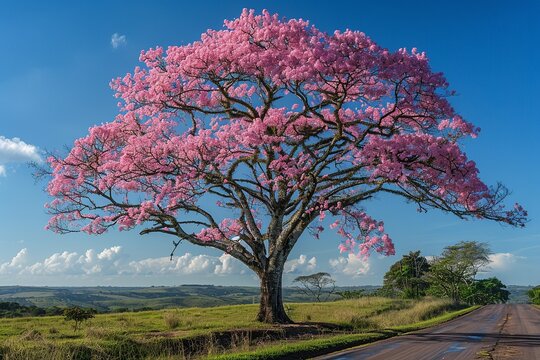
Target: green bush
{"x": 78, "y": 315}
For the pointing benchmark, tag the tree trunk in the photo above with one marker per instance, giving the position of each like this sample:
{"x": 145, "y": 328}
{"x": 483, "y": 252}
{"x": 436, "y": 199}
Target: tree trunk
{"x": 271, "y": 308}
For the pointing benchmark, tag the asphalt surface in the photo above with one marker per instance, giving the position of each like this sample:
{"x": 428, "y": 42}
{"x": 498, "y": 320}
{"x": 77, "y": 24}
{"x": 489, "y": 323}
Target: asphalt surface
{"x": 494, "y": 332}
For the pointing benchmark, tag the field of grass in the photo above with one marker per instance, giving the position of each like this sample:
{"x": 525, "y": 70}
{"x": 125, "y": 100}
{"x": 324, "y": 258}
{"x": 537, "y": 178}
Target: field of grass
{"x": 181, "y": 333}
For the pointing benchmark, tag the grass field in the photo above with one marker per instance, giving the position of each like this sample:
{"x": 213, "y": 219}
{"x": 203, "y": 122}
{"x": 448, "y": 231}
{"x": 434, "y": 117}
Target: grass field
{"x": 183, "y": 333}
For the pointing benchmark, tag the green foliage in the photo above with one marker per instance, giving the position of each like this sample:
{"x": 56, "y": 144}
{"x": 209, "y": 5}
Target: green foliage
{"x": 407, "y": 276}
{"x": 13, "y": 310}
{"x": 485, "y": 291}
{"x": 451, "y": 275}
{"x": 351, "y": 294}
{"x": 534, "y": 295}
{"x": 78, "y": 315}
{"x": 454, "y": 271}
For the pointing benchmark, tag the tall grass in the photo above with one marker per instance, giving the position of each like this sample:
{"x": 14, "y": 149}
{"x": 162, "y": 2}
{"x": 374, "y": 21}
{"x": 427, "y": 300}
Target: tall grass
{"x": 181, "y": 333}
{"x": 419, "y": 311}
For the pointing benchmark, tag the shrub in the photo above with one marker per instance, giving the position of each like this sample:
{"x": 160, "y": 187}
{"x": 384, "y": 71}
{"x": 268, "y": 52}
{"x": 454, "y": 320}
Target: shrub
{"x": 172, "y": 320}
{"x": 352, "y": 294}
{"x": 359, "y": 322}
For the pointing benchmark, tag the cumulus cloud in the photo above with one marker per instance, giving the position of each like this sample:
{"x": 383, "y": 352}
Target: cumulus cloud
{"x": 107, "y": 262}
{"x": 186, "y": 264}
{"x": 118, "y": 40}
{"x": 350, "y": 265}
{"x": 16, "y": 263}
{"x": 16, "y": 151}
{"x": 227, "y": 265}
{"x": 112, "y": 261}
{"x": 302, "y": 264}
{"x": 501, "y": 261}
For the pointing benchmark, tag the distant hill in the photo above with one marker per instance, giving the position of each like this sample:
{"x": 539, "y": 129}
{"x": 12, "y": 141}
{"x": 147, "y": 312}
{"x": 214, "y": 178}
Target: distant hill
{"x": 518, "y": 294}
{"x": 105, "y": 298}
{"x": 110, "y": 298}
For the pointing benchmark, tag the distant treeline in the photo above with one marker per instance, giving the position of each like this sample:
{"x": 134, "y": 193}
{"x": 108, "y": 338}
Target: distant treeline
{"x": 14, "y": 310}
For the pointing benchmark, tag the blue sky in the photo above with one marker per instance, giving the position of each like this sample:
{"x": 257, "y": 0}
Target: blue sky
{"x": 58, "y": 58}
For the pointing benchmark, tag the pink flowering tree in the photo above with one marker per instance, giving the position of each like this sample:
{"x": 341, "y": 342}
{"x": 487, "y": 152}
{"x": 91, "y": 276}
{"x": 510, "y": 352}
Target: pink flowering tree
{"x": 280, "y": 125}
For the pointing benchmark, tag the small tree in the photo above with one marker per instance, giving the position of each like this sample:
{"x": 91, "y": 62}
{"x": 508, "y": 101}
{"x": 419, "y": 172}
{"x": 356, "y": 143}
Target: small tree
{"x": 317, "y": 285}
{"x": 78, "y": 315}
{"x": 408, "y": 276}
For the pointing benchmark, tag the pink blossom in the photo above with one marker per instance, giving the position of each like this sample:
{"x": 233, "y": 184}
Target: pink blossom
{"x": 282, "y": 123}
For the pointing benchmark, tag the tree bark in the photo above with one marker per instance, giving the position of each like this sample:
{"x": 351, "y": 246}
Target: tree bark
{"x": 271, "y": 308}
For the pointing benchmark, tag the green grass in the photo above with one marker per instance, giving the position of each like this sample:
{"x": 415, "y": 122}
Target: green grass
{"x": 192, "y": 322}
{"x": 167, "y": 333}
{"x": 434, "y": 321}
{"x": 308, "y": 348}
{"x": 302, "y": 349}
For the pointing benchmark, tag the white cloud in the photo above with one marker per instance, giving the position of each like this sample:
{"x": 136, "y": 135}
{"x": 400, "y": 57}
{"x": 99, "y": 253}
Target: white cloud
{"x": 118, "y": 40}
{"x": 501, "y": 261}
{"x": 228, "y": 265}
{"x": 350, "y": 265}
{"x": 187, "y": 264}
{"x": 107, "y": 262}
{"x": 302, "y": 264}
{"x": 16, "y": 151}
{"x": 110, "y": 253}
{"x": 16, "y": 263}
{"x": 112, "y": 261}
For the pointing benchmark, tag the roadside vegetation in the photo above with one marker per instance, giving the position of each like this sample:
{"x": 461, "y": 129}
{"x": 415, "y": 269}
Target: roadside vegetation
{"x": 324, "y": 344}
{"x": 189, "y": 332}
{"x": 451, "y": 275}
{"x": 534, "y": 295}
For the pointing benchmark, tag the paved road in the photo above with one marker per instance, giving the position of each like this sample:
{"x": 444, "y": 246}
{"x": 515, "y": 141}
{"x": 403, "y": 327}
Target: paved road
{"x": 497, "y": 332}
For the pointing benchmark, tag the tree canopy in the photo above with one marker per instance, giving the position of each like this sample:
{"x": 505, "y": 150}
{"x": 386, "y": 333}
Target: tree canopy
{"x": 486, "y": 291}
{"x": 282, "y": 125}
{"x": 319, "y": 285}
{"x": 408, "y": 275}
{"x": 455, "y": 270}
